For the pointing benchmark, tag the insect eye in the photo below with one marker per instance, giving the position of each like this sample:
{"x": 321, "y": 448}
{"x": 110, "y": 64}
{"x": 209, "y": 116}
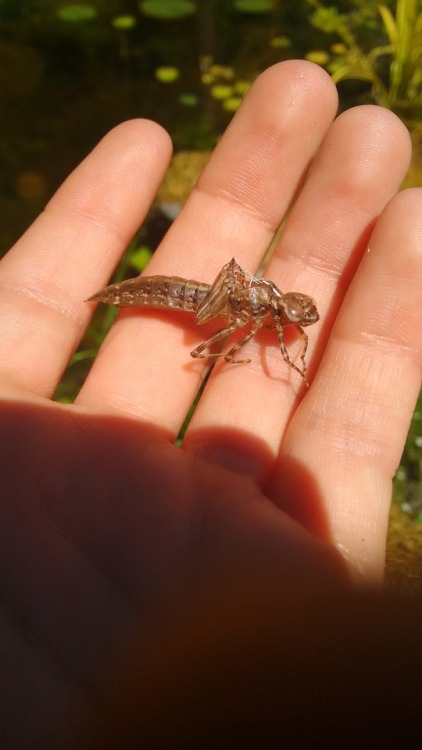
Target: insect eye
{"x": 294, "y": 311}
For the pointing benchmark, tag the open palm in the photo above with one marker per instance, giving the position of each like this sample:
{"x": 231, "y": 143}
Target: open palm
{"x": 103, "y": 519}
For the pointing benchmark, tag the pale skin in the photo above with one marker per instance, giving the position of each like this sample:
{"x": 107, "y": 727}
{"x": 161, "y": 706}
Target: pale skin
{"x": 104, "y": 518}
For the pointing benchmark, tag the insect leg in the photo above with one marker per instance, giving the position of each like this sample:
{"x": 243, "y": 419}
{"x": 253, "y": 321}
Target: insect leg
{"x": 227, "y": 331}
{"x": 304, "y": 338}
{"x": 285, "y": 353}
{"x": 230, "y": 354}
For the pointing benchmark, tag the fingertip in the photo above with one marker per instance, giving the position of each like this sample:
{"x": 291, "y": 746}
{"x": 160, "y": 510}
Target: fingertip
{"x": 125, "y": 168}
{"x": 406, "y": 206}
{"x": 382, "y": 122}
{"x": 306, "y": 75}
{"x": 143, "y": 129}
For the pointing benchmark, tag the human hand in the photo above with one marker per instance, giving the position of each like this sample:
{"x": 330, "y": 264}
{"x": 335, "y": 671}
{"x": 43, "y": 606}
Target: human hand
{"x": 103, "y": 518}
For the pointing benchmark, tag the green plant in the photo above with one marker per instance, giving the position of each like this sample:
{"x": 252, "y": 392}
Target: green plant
{"x": 408, "y": 480}
{"x": 393, "y": 65}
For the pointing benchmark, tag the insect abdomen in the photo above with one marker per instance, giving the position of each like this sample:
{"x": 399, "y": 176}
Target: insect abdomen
{"x": 171, "y": 292}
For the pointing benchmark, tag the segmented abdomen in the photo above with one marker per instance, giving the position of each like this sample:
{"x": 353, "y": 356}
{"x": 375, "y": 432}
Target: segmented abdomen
{"x": 171, "y": 292}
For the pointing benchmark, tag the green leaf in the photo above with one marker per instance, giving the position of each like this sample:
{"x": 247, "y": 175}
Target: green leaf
{"x": 167, "y": 10}
{"x": 280, "y": 42}
{"x": 221, "y": 91}
{"x": 123, "y": 23}
{"x": 140, "y": 257}
{"x": 254, "y": 6}
{"x": 188, "y": 100}
{"x": 232, "y": 103}
{"x": 82, "y": 355}
{"x": 389, "y": 23}
{"x": 75, "y": 13}
{"x": 167, "y": 74}
{"x": 320, "y": 57}
{"x": 327, "y": 19}
{"x": 352, "y": 71}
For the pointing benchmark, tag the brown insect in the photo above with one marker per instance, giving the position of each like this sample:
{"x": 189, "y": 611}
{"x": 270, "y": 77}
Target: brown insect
{"x": 235, "y": 295}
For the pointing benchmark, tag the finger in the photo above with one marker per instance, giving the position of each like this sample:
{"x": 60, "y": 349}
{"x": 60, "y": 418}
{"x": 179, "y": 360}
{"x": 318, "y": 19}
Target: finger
{"x": 234, "y": 210}
{"x": 350, "y": 432}
{"x": 70, "y": 250}
{"x": 360, "y": 166}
